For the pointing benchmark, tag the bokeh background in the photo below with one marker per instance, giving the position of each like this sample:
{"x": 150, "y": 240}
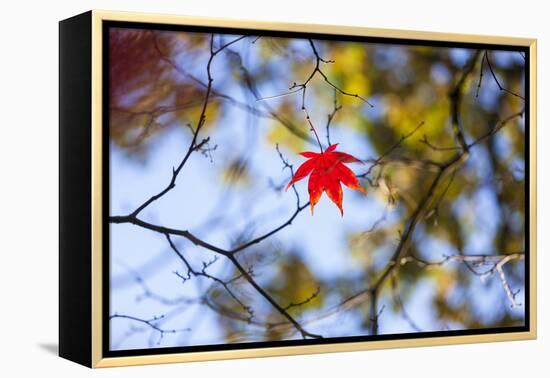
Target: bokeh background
{"x": 232, "y": 189}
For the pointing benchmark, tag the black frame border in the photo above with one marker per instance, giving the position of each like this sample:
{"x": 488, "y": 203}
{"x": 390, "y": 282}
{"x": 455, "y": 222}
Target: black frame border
{"x": 106, "y": 352}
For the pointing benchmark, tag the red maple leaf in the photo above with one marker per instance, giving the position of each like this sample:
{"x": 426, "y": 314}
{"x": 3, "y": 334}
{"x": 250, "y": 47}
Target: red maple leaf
{"x": 327, "y": 171}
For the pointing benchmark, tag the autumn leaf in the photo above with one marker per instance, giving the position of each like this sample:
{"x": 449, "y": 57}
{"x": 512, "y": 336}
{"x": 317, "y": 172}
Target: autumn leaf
{"x": 327, "y": 172}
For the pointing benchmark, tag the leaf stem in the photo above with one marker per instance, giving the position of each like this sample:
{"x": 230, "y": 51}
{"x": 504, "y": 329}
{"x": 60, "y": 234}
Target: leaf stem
{"x": 312, "y": 128}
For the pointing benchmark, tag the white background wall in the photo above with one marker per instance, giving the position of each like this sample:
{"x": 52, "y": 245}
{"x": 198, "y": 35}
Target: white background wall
{"x": 29, "y": 174}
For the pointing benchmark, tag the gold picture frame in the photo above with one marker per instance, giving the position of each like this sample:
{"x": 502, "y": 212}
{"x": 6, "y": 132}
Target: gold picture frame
{"x": 90, "y": 329}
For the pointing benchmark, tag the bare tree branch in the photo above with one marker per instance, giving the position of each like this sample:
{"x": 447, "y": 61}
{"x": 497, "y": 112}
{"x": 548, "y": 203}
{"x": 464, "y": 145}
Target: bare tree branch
{"x": 509, "y": 293}
{"x": 302, "y": 87}
{"x": 194, "y": 145}
{"x": 203, "y": 273}
{"x": 150, "y": 323}
{"x": 330, "y": 116}
{"x": 450, "y": 165}
{"x": 317, "y": 69}
{"x": 472, "y": 262}
{"x": 250, "y": 84}
{"x": 305, "y": 334}
{"x": 455, "y": 97}
{"x": 399, "y": 302}
{"x": 395, "y": 146}
{"x": 305, "y": 301}
{"x": 374, "y": 313}
{"x": 500, "y": 87}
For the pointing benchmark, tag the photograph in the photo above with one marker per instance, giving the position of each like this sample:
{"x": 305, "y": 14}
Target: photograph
{"x": 277, "y": 188}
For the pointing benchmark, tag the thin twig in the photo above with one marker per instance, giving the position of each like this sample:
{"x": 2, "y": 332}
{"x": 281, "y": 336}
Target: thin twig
{"x": 203, "y": 273}
{"x": 290, "y": 167}
{"x": 395, "y": 146}
{"x": 194, "y": 145}
{"x": 399, "y": 302}
{"x": 305, "y": 334}
{"x": 500, "y": 87}
{"x": 151, "y": 323}
{"x": 317, "y": 69}
{"x": 331, "y": 116}
{"x": 305, "y": 301}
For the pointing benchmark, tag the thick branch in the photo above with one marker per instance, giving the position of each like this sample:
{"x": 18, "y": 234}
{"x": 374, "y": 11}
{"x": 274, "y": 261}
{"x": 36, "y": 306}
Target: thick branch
{"x": 455, "y": 97}
{"x": 416, "y": 217}
{"x": 229, "y": 254}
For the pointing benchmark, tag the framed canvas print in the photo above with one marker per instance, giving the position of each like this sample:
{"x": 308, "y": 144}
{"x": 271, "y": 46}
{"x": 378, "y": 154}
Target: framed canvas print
{"x": 236, "y": 189}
